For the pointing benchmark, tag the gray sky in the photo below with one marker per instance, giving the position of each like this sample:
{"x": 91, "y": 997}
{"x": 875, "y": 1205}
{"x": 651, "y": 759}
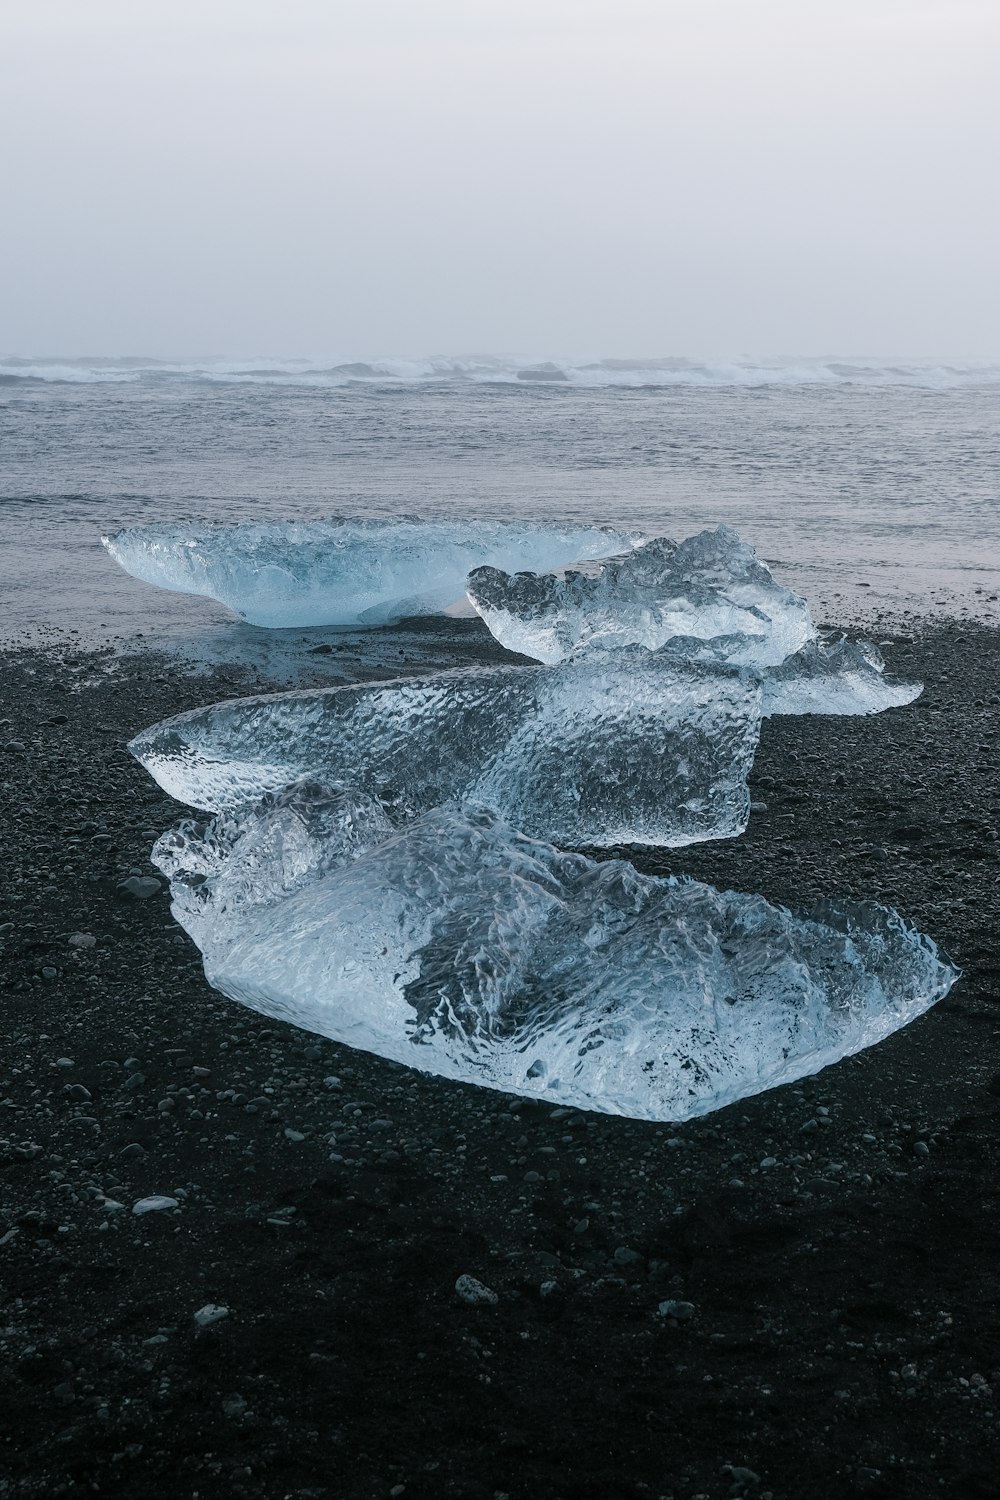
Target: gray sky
{"x": 567, "y": 177}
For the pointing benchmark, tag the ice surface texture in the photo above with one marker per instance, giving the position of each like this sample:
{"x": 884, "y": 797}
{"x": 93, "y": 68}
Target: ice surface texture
{"x": 709, "y": 586}
{"x": 343, "y": 571}
{"x": 459, "y": 947}
{"x": 625, "y": 747}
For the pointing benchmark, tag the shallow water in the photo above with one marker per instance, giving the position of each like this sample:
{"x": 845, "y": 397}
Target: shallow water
{"x": 866, "y": 487}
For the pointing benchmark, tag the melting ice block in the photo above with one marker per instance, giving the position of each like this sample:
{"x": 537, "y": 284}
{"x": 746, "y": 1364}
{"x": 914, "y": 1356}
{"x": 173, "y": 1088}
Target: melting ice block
{"x": 828, "y": 676}
{"x": 834, "y": 677}
{"x": 627, "y": 747}
{"x": 461, "y": 948}
{"x": 343, "y": 571}
{"x": 709, "y": 586}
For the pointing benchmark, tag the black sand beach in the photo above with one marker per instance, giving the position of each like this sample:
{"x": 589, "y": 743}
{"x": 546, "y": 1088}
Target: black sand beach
{"x": 828, "y": 1252}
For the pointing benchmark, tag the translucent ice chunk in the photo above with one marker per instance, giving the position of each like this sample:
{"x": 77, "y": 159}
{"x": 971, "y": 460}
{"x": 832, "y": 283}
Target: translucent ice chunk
{"x": 828, "y": 676}
{"x": 464, "y": 949}
{"x": 628, "y": 747}
{"x": 343, "y": 571}
{"x": 834, "y": 677}
{"x": 710, "y": 585}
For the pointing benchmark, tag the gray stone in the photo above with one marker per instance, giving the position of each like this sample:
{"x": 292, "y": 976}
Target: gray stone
{"x": 211, "y": 1313}
{"x": 154, "y": 1204}
{"x": 474, "y": 1293}
{"x": 140, "y": 887}
{"x": 681, "y": 1312}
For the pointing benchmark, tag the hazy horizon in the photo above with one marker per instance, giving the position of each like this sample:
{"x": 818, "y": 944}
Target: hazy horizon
{"x": 643, "y": 178}
{"x": 537, "y": 356}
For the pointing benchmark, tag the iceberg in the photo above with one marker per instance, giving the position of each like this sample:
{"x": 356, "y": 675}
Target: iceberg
{"x": 709, "y": 586}
{"x": 462, "y": 948}
{"x": 342, "y": 571}
{"x": 623, "y": 747}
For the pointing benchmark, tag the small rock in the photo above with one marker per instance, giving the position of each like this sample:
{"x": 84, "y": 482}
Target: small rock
{"x": 140, "y": 887}
{"x": 82, "y": 940}
{"x": 154, "y": 1204}
{"x": 681, "y": 1312}
{"x": 474, "y": 1293}
{"x": 211, "y": 1313}
{"x": 742, "y": 1478}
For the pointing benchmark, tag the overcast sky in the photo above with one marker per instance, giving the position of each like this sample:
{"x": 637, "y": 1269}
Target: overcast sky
{"x": 543, "y": 177}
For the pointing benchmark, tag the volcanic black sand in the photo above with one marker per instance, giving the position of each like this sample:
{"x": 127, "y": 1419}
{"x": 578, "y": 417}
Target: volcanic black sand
{"x": 831, "y": 1249}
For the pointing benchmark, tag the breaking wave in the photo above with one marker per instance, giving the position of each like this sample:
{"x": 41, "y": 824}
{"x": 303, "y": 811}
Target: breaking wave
{"x": 486, "y": 370}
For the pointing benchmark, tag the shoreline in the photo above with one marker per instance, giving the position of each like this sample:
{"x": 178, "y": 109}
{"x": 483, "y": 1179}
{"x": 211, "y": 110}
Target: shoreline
{"x": 836, "y": 1331}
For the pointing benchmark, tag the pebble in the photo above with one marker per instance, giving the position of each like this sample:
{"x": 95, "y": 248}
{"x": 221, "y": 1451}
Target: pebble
{"x": 153, "y": 1204}
{"x": 211, "y": 1313}
{"x": 473, "y": 1292}
{"x": 140, "y": 887}
{"x": 681, "y": 1312}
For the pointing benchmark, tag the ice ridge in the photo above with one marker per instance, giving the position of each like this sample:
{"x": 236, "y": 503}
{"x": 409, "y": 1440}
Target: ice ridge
{"x": 709, "y": 586}
{"x": 457, "y": 946}
{"x": 343, "y": 571}
{"x": 624, "y": 747}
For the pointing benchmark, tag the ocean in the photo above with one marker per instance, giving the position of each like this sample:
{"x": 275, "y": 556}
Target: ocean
{"x": 869, "y": 486}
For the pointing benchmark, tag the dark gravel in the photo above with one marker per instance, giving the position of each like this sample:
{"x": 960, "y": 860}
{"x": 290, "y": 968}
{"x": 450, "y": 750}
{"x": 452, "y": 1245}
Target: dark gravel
{"x": 795, "y": 1297}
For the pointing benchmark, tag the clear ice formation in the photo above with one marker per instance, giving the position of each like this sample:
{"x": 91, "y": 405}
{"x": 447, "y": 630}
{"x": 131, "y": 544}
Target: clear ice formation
{"x": 709, "y": 586}
{"x": 834, "y": 677}
{"x": 346, "y": 571}
{"x": 459, "y": 947}
{"x": 624, "y": 747}
{"x": 829, "y": 675}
